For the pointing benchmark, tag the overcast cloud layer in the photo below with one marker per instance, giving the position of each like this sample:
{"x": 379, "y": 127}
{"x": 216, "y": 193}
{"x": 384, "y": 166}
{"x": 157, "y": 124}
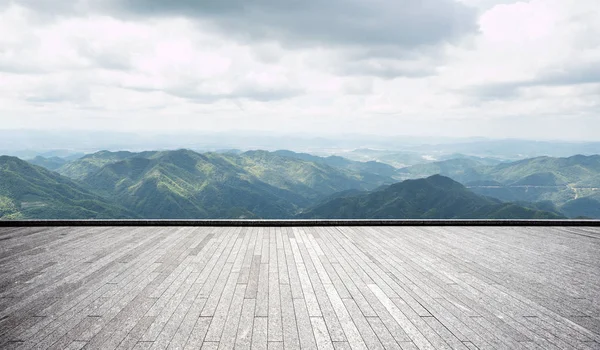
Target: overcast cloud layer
{"x": 498, "y": 68}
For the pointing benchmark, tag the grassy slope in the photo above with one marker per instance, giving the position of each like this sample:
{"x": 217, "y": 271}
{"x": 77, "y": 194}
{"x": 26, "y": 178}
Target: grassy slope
{"x": 29, "y": 191}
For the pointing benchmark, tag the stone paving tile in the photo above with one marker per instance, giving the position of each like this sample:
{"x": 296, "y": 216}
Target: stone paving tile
{"x": 300, "y": 288}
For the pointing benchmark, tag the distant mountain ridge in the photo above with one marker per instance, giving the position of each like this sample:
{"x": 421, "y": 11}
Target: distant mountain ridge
{"x": 435, "y": 197}
{"x": 568, "y": 170}
{"x": 371, "y": 167}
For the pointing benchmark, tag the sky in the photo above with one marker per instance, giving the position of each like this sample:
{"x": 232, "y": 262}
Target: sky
{"x": 492, "y": 68}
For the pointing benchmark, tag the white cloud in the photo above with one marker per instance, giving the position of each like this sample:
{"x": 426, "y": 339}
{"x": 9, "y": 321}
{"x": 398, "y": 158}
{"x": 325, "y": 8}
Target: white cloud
{"x": 533, "y": 60}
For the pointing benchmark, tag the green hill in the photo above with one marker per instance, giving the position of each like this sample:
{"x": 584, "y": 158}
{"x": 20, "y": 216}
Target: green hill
{"x": 186, "y": 184}
{"x": 368, "y": 168}
{"x": 80, "y": 168}
{"x": 571, "y": 170}
{"x": 435, "y": 197}
{"x": 582, "y": 207}
{"x": 540, "y": 171}
{"x": 540, "y": 179}
{"x": 31, "y": 192}
{"x": 50, "y": 163}
{"x": 480, "y": 160}
{"x": 460, "y": 169}
{"x": 316, "y": 175}
{"x": 558, "y": 180}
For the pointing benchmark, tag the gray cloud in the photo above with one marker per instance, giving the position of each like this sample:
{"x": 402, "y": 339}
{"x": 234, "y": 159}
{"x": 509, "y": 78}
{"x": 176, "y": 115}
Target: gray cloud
{"x": 398, "y": 23}
{"x": 560, "y": 76}
{"x": 496, "y": 91}
{"x": 582, "y": 74}
{"x": 243, "y": 92}
{"x": 364, "y": 29}
{"x": 78, "y": 94}
{"x": 51, "y": 9}
{"x": 360, "y": 86}
{"x": 19, "y": 67}
{"x": 388, "y": 62}
{"x": 104, "y": 58}
{"x": 388, "y": 69}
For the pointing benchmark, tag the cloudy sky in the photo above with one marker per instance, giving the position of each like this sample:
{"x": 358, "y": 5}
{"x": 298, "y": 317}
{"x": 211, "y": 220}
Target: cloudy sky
{"x": 496, "y": 68}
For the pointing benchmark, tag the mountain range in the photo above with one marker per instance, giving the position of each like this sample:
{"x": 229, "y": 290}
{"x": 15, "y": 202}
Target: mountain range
{"x": 572, "y": 184}
{"x": 186, "y": 184}
{"x": 254, "y": 184}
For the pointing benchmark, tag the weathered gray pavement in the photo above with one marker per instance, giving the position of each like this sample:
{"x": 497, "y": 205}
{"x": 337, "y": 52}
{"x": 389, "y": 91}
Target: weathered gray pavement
{"x": 295, "y": 287}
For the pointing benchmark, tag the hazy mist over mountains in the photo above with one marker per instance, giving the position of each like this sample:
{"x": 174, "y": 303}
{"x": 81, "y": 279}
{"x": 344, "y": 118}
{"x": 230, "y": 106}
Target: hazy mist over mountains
{"x": 30, "y": 143}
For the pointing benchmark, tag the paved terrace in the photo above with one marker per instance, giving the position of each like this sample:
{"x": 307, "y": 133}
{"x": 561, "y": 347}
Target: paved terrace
{"x": 300, "y": 287}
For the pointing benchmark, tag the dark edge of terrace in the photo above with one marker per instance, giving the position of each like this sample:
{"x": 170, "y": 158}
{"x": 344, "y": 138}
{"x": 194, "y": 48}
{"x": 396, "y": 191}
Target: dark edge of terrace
{"x": 416, "y": 222}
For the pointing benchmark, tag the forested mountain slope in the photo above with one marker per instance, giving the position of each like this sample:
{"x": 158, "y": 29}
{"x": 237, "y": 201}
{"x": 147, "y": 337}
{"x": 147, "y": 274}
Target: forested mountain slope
{"x": 435, "y": 197}
{"x": 28, "y": 191}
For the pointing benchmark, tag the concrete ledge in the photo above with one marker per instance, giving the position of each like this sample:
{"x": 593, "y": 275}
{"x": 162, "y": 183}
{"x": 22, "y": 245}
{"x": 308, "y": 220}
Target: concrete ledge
{"x": 460, "y": 222}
